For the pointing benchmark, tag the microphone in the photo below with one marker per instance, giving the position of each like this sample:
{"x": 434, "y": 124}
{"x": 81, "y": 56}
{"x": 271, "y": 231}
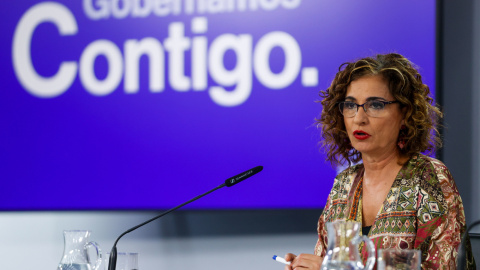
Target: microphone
{"x": 461, "y": 257}
{"x": 242, "y": 176}
{"x": 112, "y": 262}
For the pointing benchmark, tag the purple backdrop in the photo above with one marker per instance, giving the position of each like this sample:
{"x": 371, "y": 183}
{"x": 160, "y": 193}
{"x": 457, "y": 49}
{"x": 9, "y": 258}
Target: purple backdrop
{"x": 111, "y": 104}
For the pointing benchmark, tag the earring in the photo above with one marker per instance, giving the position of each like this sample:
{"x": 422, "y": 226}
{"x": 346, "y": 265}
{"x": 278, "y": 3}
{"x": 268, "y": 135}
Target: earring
{"x": 401, "y": 137}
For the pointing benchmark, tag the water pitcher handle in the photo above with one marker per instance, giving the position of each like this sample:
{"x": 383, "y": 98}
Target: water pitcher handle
{"x": 370, "y": 251}
{"x": 324, "y": 265}
{"x": 98, "y": 252}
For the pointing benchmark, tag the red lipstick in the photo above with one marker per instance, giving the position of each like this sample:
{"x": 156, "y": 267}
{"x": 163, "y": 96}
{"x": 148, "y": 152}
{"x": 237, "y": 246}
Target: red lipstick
{"x": 361, "y": 135}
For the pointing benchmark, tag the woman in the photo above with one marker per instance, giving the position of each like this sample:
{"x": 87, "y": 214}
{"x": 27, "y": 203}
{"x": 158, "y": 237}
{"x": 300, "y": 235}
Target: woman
{"x": 378, "y": 112}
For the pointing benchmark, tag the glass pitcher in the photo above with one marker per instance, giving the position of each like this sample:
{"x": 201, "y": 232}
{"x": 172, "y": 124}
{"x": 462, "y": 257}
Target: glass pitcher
{"x": 342, "y": 249}
{"x": 76, "y": 252}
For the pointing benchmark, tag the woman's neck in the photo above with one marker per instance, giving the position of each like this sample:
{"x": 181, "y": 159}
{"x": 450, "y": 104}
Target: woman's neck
{"x": 382, "y": 167}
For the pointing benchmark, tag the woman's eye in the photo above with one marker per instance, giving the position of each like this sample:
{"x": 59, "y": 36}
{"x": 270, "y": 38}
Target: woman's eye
{"x": 349, "y": 105}
{"x": 376, "y": 105}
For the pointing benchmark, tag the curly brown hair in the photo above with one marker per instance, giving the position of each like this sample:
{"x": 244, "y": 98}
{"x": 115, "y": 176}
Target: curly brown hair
{"x": 405, "y": 85}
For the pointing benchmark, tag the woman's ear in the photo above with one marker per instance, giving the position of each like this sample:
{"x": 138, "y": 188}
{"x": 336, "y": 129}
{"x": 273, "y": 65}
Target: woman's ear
{"x": 404, "y": 114}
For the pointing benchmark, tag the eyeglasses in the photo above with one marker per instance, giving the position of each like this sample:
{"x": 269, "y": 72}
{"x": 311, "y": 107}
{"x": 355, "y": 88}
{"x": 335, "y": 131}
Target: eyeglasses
{"x": 373, "y": 108}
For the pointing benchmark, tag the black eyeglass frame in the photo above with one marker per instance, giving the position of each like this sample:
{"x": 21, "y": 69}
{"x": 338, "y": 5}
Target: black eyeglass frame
{"x": 340, "y": 104}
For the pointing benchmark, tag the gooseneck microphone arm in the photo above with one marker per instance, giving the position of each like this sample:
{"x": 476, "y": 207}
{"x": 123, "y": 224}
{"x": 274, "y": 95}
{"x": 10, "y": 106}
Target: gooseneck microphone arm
{"x": 113, "y": 253}
{"x": 112, "y": 262}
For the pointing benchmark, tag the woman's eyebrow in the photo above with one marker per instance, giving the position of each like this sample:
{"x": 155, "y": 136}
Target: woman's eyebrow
{"x": 368, "y": 99}
{"x": 375, "y": 98}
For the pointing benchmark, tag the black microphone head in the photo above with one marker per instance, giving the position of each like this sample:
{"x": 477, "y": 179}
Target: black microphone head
{"x": 242, "y": 176}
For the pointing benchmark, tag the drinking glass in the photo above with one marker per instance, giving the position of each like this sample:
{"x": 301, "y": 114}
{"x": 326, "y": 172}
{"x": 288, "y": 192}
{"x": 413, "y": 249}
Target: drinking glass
{"x": 399, "y": 259}
{"x": 125, "y": 261}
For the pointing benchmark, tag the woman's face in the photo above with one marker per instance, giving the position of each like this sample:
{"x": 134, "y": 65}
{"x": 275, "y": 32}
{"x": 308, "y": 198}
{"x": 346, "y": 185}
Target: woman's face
{"x": 373, "y": 136}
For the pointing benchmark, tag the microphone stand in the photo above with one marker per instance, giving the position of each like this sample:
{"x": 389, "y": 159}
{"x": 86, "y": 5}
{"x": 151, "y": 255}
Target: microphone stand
{"x": 112, "y": 262}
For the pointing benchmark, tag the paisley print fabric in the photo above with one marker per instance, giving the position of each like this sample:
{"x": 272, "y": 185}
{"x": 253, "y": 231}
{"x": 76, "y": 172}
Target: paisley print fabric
{"x": 423, "y": 210}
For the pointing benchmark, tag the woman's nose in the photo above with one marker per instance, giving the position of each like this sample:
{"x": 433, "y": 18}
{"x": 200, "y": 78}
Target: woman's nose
{"x": 361, "y": 116}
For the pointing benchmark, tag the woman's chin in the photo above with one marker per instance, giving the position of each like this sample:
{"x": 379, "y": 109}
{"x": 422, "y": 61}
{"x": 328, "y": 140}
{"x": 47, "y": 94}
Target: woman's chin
{"x": 362, "y": 148}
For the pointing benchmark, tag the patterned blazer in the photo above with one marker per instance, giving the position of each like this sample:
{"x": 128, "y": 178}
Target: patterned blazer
{"x": 423, "y": 210}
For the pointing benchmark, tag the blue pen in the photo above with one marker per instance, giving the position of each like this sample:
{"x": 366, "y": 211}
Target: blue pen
{"x": 280, "y": 259}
